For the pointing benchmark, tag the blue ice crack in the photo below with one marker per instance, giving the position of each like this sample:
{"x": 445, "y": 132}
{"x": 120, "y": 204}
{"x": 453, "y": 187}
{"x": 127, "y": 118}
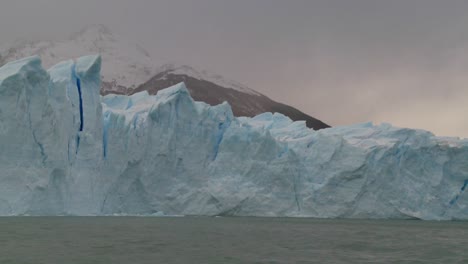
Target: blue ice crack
{"x": 80, "y": 97}
{"x": 220, "y": 135}
{"x": 462, "y": 189}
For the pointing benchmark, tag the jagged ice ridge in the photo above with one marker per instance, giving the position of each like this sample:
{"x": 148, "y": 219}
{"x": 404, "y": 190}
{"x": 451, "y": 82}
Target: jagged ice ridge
{"x": 64, "y": 150}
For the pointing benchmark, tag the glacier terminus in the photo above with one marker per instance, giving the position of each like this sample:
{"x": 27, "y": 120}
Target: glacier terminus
{"x": 66, "y": 150}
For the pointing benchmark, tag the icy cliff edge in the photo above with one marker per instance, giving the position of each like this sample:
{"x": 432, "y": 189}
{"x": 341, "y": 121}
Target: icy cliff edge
{"x": 64, "y": 150}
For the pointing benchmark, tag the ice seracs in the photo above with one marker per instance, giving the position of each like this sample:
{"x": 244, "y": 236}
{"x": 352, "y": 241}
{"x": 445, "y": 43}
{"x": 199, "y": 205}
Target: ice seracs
{"x": 67, "y": 151}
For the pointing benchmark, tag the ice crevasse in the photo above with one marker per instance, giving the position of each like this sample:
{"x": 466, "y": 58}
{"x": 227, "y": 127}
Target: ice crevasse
{"x": 65, "y": 150}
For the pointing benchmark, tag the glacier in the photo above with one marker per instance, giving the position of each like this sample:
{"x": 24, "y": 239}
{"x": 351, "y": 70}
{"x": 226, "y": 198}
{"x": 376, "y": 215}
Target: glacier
{"x": 65, "y": 150}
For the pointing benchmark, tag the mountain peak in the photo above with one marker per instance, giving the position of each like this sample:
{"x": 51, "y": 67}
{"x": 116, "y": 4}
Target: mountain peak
{"x": 96, "y": 32}
{"x": 96, "y": 29}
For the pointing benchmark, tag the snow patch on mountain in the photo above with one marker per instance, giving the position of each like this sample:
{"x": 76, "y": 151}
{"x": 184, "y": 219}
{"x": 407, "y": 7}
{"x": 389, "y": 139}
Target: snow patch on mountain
{"x": 206, "y": 76}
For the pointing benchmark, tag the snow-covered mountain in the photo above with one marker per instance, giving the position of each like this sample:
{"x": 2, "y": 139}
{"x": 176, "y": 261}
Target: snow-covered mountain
{"x": 128, "y": 68}
{"x": 66, "y": 150}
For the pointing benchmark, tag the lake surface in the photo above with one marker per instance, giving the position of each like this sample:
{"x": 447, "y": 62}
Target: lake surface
{"x": 228, "y": 240}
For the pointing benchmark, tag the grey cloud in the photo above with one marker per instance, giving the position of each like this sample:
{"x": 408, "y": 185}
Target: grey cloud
{"x": 344, "y": 61}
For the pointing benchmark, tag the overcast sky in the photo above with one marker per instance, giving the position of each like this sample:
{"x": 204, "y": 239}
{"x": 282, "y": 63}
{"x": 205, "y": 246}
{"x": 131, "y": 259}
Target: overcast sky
{"x": 399, "y": 61}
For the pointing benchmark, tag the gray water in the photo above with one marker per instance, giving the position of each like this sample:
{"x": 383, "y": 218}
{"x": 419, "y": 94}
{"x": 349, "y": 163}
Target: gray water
{"x": 229, "y": 240}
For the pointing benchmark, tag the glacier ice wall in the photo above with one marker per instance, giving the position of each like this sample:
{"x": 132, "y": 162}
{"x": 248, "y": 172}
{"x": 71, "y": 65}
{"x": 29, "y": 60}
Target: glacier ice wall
{"x": 64, "y": 150}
